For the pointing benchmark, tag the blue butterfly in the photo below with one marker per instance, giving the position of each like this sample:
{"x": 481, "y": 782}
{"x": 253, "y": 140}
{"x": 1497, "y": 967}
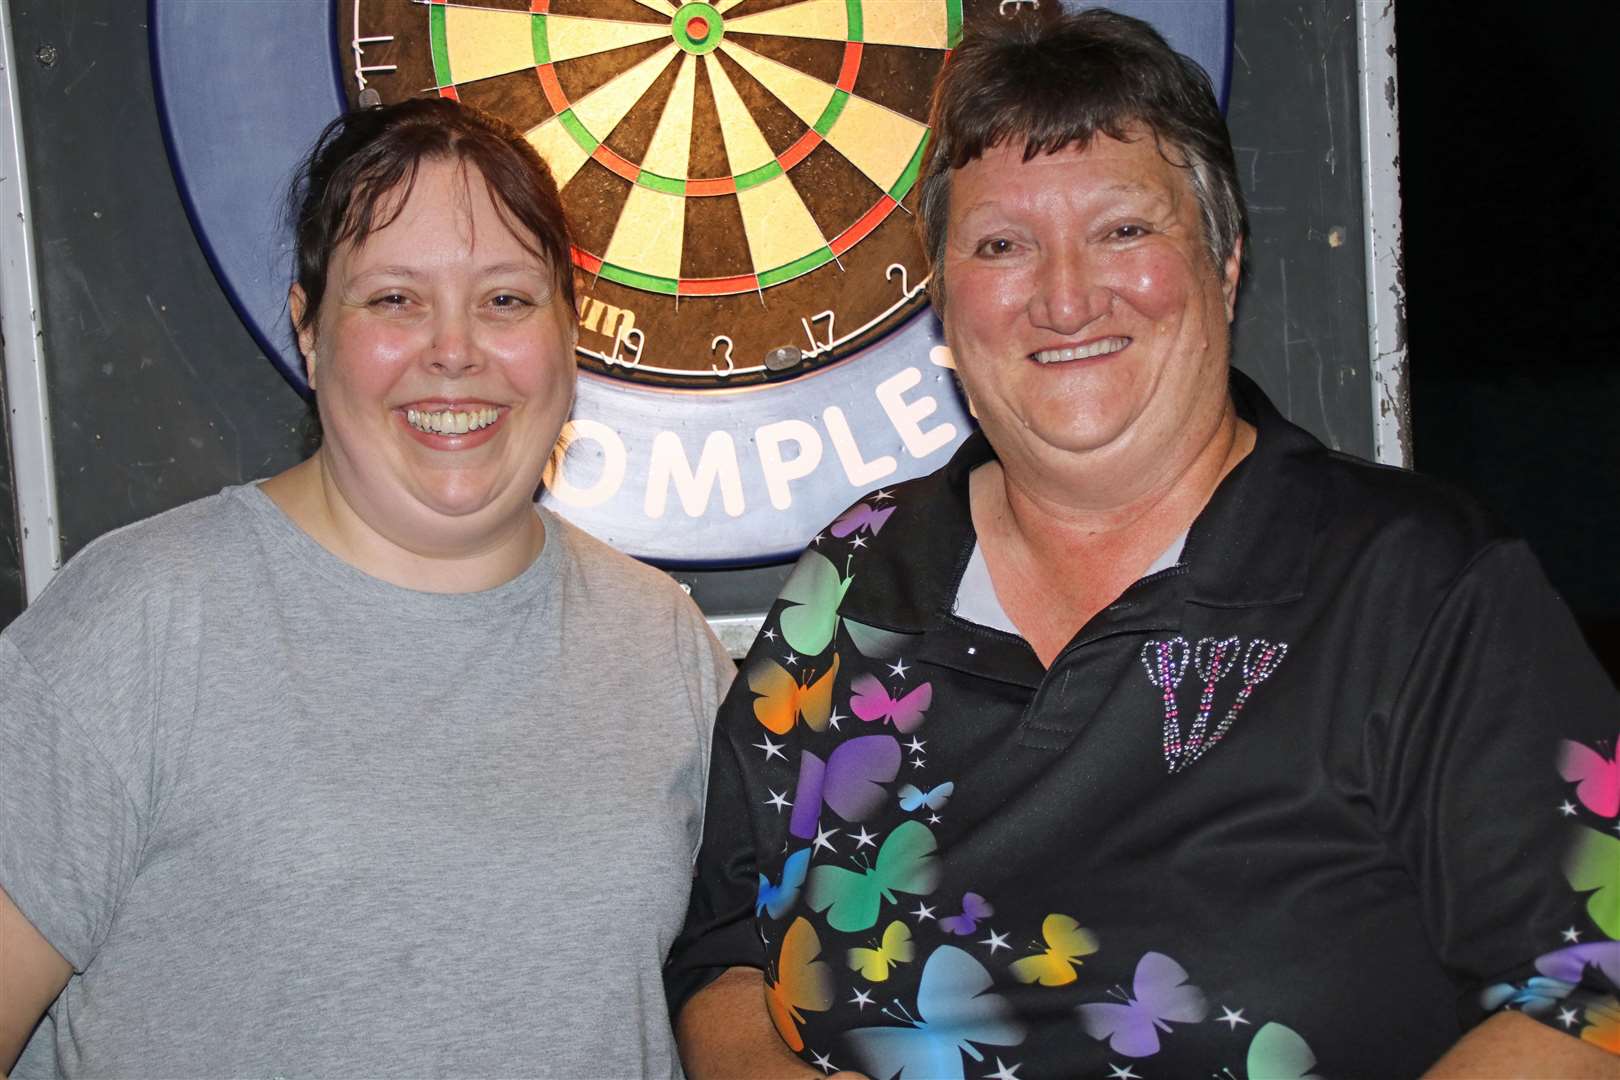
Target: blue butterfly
{"x": 779, "y": 899}
{"x": 954, "y": 1011}
{"x": 1537, "y": 996}
{"x": 912, "y": 797}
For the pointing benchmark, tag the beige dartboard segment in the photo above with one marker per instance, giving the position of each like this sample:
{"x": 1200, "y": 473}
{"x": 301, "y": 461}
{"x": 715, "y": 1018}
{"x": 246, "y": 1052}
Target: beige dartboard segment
{"x": 648, "y": 236}
{"x": 745, "y": 143}
{"x": 482, "y": 43}
{"x": 806, "y": 95}
{"x": 571, "y": 37}
{"x": 780, "y": 228}
{"x": 601, "y": 110}
{"x": 826, "y": 20}
{"x": 670, "y": 151}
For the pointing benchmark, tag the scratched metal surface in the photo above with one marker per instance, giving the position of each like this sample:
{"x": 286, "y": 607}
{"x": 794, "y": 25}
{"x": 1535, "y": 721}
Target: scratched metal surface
{"x": 159, "y": 395}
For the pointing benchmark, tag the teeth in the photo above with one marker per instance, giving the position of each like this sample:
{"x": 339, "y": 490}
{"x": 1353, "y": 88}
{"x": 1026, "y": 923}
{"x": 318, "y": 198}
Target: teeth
{"x": 1101, "y": 347}
{"x": 451, "y": 422}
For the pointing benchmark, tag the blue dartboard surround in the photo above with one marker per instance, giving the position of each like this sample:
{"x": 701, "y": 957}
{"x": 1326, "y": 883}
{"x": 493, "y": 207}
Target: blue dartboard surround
{"x": 243, "y": 88}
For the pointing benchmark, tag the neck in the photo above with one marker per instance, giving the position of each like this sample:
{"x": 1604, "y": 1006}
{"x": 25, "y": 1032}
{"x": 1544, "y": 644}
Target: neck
{"x": 466, "y": 560}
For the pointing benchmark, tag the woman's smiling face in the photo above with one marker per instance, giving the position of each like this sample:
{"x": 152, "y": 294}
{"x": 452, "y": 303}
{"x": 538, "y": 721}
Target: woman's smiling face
{"x": 1082, "y": 307}
{"x": 442, "y": 357}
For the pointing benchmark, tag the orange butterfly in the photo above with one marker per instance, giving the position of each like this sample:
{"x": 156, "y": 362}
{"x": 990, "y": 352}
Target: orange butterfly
{"x": 1603, "y": 1024}
{"x": 803, "y": 983}
{"x": 782, "y": 699}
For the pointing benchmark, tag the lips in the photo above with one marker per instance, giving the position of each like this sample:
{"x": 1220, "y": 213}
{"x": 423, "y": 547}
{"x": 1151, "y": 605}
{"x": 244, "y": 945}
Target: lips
{"x": 445, "y": 425}
{"x": 451, "y": 421}
{"x": 1086, "y": 351}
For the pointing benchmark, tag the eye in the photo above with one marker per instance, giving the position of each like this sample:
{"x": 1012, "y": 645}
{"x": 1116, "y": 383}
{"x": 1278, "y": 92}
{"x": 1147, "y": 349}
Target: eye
{"x": 508, "y": 300}
{"x": 995, "y": 247}
{"x": 390, "y": 300}
{"x": 1130, "y": 231}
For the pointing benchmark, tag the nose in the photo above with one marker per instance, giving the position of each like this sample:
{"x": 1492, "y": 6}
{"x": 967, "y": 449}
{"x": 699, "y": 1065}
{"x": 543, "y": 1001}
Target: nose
{"x": 453, "y": 352}
{"x": 1069, "y": 292}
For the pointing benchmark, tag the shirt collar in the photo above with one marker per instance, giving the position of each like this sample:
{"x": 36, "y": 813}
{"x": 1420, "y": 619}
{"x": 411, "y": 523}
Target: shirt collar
{"x": 1249, "y": 547}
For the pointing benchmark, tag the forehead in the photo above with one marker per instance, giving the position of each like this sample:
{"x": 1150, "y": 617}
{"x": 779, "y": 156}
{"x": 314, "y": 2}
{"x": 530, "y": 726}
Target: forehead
{"x": 1104, "y": 170}
{"x": 448, "y": 214}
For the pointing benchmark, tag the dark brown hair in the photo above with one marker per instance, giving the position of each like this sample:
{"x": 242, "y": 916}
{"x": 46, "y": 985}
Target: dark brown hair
{"x": 1054, "y": 83}
{"x": 345, "y": 189}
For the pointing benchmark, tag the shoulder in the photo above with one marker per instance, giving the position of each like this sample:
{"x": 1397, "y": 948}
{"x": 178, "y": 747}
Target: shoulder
{"x": 608, "y": 576}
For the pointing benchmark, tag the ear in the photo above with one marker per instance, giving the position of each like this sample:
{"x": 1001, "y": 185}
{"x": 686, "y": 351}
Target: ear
{"x": 1230, "y": 274}
{"x": 297, "y": 303}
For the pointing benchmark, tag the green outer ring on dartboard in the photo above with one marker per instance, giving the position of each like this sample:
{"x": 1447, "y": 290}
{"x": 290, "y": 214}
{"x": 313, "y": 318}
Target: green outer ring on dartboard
{"x": 685, "y": 41}
{"x": 741, "y": 283}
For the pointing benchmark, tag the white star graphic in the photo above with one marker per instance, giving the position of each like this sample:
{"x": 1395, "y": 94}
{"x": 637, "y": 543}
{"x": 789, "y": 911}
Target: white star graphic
{"x": 861, "y": 999}
{"x": 881, "y": 494}
{"x": 1566, "y": 1017}
{"x": 1004, "y": 1072}
{"x": 816, "y": 539}
{"x": 898, "y": 669}
{"x": 923, "y": 911}
{"x": 771, "y": 749}
{"x": 1121, "y": 1072}
{"x": 915, "y": 745}
{"x": 1230, "y": 1019}
{"x": 1566, "y": 808}
{"x": 865, "y": 839}
{"x": 996, "y": 941}
{"x": 1572, "y": 935}
{"x": 768, "y": 635}
{"x": 858, "y": 542}
{"x": 934, "y": 819}
{"x": 777, "y": 800}
{"x": 791, "y": 661}
{"x": 834, "y": 718}
{"x": 823, "y": 1063}
{"x": 824, "y": 839}
{"x": 918, "y": 762}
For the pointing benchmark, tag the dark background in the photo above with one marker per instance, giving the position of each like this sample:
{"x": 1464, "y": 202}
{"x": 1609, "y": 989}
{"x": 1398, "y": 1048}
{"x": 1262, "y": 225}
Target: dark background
{"x": 1508, "y": 155}
{"x": 1509, "y": 160}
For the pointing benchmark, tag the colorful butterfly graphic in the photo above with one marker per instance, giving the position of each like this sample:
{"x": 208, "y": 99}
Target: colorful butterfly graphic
{"x": 1596, "y": 778}
{"x": 907, "y": 862}
{"x": 803, "y": 983}
{"x": 782, "y": 699}
{"x": 1593, "y": 863}
{"x": 896, "y": 948}
{"x": 1570, "y": 964}
{"x": 779, "y": 899}
{"x": 858, "y": 517}
{"x": 974, "y": 908}
{"x": 913, "y": 797}
{"x": 1066, "y": 942}
{"x": 955, "y": 1010}
{"x": 1537, "y": 996}
{"x": 1278, "y": 1053}
{"x": 1603, "y": 1024}
{"x": 812, "y": 594}
{"x": 850, "y": 781}
{"x": 872, "y": 702}
{"x": 1160, "y": 994}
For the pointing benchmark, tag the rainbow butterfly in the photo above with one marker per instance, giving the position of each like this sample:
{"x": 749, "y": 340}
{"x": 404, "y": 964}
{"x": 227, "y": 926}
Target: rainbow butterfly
{"x": 912, "y": 797}
{"x": 1159, "y": 994}
{"x": 895, "y": 948}
{"x": 870, "y": 701}
{"x": 812, "y": 594}
{"x": 1278, "y": 1053}
{"x": 1596, "y": 778}
{"x": 802, "y": 984}
{"x": 1603, "y": 1024}
{"x": 1066, "y": 942}
{"x": 783, "y": 699}
{"x": 955, "y": 1010}
{"x": 778, "y": 899}
{"x": 1593, "y": 864}
{"x": 974, "y": 908}
{"x": 907, "y": 862}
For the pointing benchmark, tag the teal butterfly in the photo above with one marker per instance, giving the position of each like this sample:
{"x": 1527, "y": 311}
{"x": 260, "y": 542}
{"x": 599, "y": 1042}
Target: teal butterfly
{"x": 813, "y": 593}
{"x": 955, "y": 1010}
{"x": 906, "y": 863}
{"x": 1278, "y": 1053}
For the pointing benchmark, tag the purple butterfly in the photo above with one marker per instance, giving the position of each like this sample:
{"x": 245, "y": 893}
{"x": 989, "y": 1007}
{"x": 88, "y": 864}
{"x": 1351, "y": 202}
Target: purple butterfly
{"x": 1159, "y": 994}
{"x": 974, "y": 908}
{"x": 858, "y": 517}
{"x": 849, "y": 781}
{"x": 1571, "y": 963}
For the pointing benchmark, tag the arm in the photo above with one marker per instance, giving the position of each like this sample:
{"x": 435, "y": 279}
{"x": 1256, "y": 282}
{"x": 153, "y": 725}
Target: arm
{"x": 1513, "y": 1045}
{"x": 31, "y": 975}
{"x": 724, "y": 1032}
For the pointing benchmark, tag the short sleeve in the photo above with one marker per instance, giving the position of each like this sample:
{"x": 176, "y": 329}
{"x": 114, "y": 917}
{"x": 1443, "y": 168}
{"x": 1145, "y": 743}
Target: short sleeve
{"x": 708, "y": 671}
{"x": 1479, "y": 799}
{"x": 719, "y": 931}
{"x": 69, "y": 832}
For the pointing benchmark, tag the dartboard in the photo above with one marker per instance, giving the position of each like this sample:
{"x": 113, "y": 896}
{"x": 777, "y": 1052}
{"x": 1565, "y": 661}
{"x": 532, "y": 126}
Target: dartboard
{"x": 740, "y": 174}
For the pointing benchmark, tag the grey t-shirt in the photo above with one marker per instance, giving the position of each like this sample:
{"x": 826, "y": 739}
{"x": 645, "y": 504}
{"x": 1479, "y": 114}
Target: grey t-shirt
{"x": 285, "y": 819}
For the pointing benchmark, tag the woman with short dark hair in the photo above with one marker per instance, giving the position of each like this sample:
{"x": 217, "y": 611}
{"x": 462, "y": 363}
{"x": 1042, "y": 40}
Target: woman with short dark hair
{"x": 353, "y": 772}
{"x": 1148, "y": 737}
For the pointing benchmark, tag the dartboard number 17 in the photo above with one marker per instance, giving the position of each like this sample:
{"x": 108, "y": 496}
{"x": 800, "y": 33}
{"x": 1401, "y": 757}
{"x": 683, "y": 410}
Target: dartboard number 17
{"x": 740, "y": 175}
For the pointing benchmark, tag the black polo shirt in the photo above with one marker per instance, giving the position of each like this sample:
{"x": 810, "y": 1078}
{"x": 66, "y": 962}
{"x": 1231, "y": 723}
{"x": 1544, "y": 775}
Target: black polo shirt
{"x": 1327, "y": 791}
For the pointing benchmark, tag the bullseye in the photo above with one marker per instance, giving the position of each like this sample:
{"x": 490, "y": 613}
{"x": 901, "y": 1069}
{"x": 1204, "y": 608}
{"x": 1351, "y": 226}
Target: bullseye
{"x": 698, "y": 28}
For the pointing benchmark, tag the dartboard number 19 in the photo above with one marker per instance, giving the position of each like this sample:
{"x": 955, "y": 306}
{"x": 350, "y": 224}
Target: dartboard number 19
{"x": 740, "y": 174}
